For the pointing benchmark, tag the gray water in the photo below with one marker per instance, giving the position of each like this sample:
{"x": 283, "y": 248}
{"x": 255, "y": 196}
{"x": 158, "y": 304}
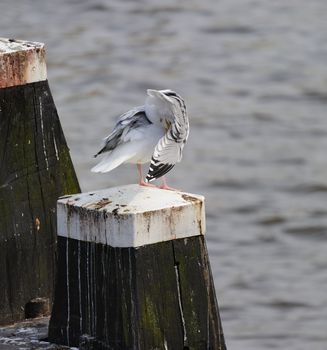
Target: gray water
{"x": 254, "y": 77}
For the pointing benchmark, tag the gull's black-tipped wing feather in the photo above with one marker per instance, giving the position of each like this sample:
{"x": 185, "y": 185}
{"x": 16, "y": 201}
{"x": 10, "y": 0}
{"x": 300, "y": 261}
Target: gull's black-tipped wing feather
{"x": 157, "y": 170}
{"x": 169, "y": 149}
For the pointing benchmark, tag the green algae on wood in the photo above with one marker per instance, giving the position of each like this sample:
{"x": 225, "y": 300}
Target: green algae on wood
{"x": 132, "y": 298}
{"x": 35, "y": 169}
{"x": 125, "y": 281}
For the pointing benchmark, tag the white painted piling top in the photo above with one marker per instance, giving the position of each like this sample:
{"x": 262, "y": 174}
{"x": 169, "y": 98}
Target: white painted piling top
{"x": 131, "y": 216}
{"x": 21, "y": 62}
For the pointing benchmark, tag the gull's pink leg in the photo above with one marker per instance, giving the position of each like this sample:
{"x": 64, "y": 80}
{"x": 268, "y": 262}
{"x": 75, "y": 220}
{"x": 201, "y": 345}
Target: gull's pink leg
{"x": 164, "y": 185}
{"x": 141, "y": 181}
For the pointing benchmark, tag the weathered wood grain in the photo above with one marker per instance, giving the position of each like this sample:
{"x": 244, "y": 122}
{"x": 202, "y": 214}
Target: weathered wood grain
{"x": 35, "y": 169}
{"x": 158, "y": 296}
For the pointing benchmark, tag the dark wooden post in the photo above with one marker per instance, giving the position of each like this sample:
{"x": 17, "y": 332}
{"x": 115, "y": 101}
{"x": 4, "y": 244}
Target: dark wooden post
{"x": 35, "y": 169}
{"x": 133, "y": 272}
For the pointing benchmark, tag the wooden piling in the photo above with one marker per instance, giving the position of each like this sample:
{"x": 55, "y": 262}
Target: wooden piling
{"x": 133, "y": 272}
{"x": 35, "y": 169}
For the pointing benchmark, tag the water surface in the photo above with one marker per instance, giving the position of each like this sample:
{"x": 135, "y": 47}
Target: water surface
{"x": 254, "y": 76}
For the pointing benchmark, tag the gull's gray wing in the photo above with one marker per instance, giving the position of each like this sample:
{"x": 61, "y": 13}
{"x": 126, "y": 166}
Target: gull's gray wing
{"x": 130, "y": 120}
{"x": 169, "y": 149}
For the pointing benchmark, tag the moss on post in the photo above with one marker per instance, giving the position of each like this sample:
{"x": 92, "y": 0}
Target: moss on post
{"x": 35, "y": 169}
{"x": 133, "y": 272}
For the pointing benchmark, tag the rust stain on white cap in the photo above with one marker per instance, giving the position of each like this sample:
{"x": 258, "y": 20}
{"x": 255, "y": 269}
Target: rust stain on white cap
{"x": 21, "y": 62}
{"x": 131, "y": 216}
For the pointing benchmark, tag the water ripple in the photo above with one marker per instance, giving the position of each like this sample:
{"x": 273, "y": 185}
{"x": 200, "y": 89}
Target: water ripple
{"x": 229, "y": 29}
{"x": 308, "y": 232}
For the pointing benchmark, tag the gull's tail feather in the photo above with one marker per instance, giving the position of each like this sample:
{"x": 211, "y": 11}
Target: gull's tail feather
{"x": 114, "y": 159}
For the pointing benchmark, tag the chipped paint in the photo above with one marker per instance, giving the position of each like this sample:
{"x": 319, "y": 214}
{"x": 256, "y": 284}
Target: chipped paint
{"x": 131, "y": 216}
{"x": 189, "y": 198}
{"x": 98, "y": 205}
{"x": 21, "y": 62}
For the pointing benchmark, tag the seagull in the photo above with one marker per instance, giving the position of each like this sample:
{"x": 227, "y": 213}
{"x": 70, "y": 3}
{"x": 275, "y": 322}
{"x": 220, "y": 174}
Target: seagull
{"x": 155, "y": 132}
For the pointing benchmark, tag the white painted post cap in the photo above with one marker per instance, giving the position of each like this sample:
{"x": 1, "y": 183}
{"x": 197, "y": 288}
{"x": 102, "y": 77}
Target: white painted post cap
{"x": 131, "y": 216}
{"x": 21, "y": 62}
